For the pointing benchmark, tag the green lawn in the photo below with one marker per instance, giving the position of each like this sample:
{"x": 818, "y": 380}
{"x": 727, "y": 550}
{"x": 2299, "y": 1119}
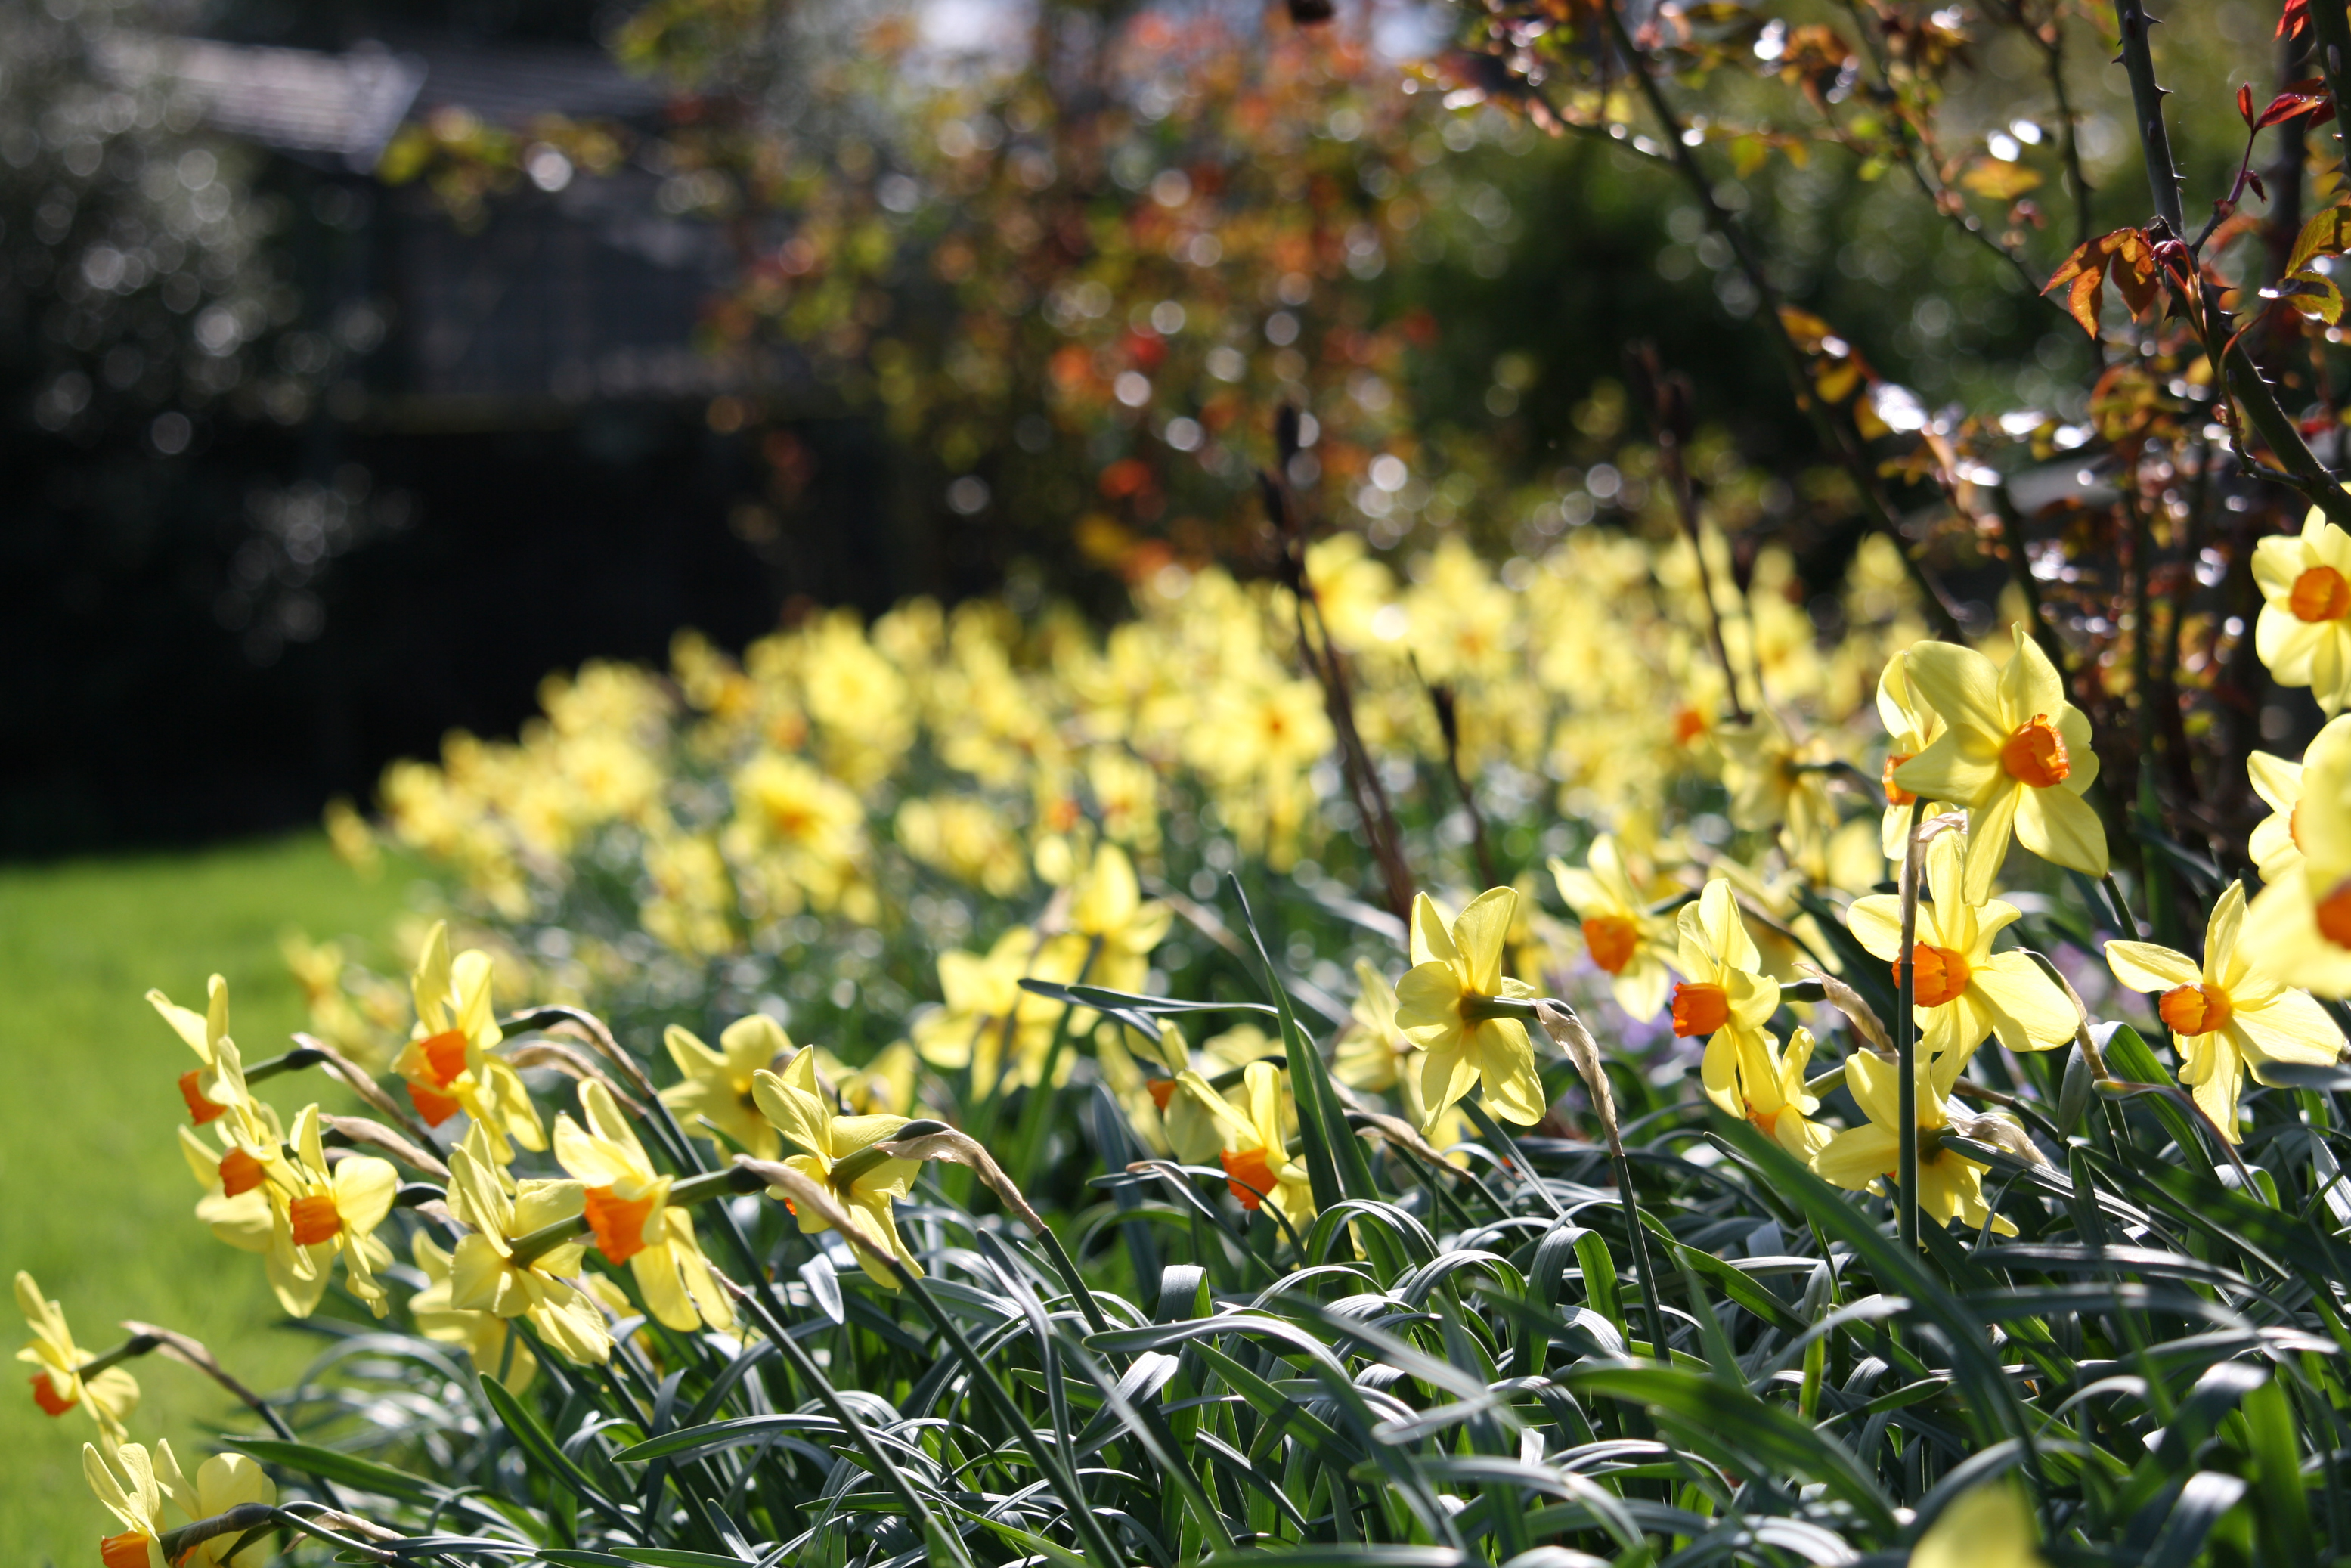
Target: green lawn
{"x": 94, "y": 1195}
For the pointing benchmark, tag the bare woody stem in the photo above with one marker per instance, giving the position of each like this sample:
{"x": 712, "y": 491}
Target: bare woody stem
{"x": 1840, "y": 442}
{"x": 2303, "y": 471}
{"x": 2329, "y": 21}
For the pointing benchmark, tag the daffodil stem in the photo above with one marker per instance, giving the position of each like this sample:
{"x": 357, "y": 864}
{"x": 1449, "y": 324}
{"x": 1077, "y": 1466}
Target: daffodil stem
{"x": 290, "y": 1061}
{"x": 1477, "y": 1010}
{"x": 528, "y": 1247}
{"x": 136, "y": 1345}
{"x": 1037, "y": 1116}
{"x": 1906, "y": 1039}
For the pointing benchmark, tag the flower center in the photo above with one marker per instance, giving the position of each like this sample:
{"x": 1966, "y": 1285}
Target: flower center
{"x": 2194, "y": 1009}
{"x": 1249, "y": 1175}
{"x": 314, "y": 1220}
{"x": 46, "y": 1395}
{"x": 619, "y": 1222}
{"x": 2320, "y": 594}
{"x": 1688, "y": 725}
{"x": 239, "y": 1173}
{"x": 434, "y": 1108}
{"x": 200, "y": 1110}
{"x": 1699, "y": 1009}
{"x": 1938, "y": 974}
{"x": 445, "y": 1056}
{"x": 2035, "y": 754}
{"x": 2335, "y": 914}
{"x": 128, "y": 1549}
{"x": 1163, "y": 1090}
{"x": 1612, "y": 940}
{"x": 1894, "y": 794}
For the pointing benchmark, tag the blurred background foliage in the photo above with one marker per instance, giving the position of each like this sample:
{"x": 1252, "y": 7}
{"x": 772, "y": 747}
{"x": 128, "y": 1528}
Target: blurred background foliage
{"x": 924, "y": 295}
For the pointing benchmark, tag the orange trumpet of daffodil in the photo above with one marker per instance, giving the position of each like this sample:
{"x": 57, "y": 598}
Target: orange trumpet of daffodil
{"x": 628, "y": 1210}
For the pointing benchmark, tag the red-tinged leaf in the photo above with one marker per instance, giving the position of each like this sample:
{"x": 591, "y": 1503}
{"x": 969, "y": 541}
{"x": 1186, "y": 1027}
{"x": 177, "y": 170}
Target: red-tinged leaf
{"x": 2290, "y": 106}
{"x": 2090, "y": 256}
{"x": 2133, "y": 270}
{"x": 2245, "y": 104}
{"x": 2295, "y": 17}
{"x": 2255, "y": 182}
{"x": 2082, "y": 299}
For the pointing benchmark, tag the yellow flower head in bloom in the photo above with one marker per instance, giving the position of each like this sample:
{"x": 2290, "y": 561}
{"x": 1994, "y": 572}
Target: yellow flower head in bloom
{"x": 485, "y": 1276}
{"x": 136, "y": 1501}
{"x": 2301, "y": 924}
{"x": 1988, "y": 1527}
{"x": 1107, "y": 907}
{"x": 57, "y": 1384}
{"x": 792, "y": 1100}
{"x": 2014, "y": 752}
{"x": 1623, "y": 938}
{"x": 1456, "y": 965}
{"x": 714, "y": 1095}
{"x": 221, "y": 1482}
{"x": 2303, "y": 634}
{"x": 204, "y": 1031}
{"x": 2224, "y": 1015}
{"x": 988, "y": 1020}
{"x": 448, "y": 1063}
{"x": 1962, "y": 991}
{"x": 328, "y": 1212}
{"x": 1911, "y": 726}
{"x": 2276, "y": 846}
{"x": 1255, "y": 1148}
{"x": 1858, "y": 1158}
{"x": 1772, "y": 1091}
{"x": 1776, "y": 781}
{"x": 243, "y": 1165}
{"x": 628, "y": 1208}
{"x": 1726, "y": 998}
{"x": 497, "y": 1351}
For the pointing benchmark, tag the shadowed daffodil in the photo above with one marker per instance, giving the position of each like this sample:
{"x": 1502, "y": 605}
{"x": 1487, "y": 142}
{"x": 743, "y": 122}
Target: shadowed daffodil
{"x": 136, "y": 1501}
{"x": 628, "y": 1209}
{"x": 487, "y": 1275}
{"x": 58, "y": 1383}
{"x": 2224, "y": 1017}
{"x": 716, "y": 1086}
{"x": 1625, "y": 941}
{"x": 1858, "y": 1158}
{"x": 329, "y": 1210}
{"x": 1456, "y": 964}
{"x": 1962, "y": 991}
{"x": 2276, "y": 843}
{"x": 1911, "y": 726}
{"x": 488, "y": 1338}
{"x": 793, "y": 1102}
{"x": 1726, "y": 998}
{"x": 2301, "y": 923}
{"x": 2014, "y": 752}
{"x": 1255, "y": 1155}
{"x": 1772, "y": 1091}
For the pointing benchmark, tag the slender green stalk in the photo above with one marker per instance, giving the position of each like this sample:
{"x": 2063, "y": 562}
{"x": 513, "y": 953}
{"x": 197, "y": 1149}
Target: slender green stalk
{"x": 1905, "y": 1038}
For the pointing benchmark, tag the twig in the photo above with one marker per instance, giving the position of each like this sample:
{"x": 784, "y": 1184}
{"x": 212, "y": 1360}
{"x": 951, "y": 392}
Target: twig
{"x": 1669, "y": 402}
{"x": 1441, "y": 698}
{"x": 1906, "y": 1035}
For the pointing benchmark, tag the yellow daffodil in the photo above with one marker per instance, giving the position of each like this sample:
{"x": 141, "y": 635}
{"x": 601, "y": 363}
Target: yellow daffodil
{"x": 1457, "y": 964}
{"x": 2301, "y": 923}
{"x": 1108, "y": 915}
{"x": 136, "y": 1501}
{"x": 714, "y": 1095}
{"x": 58, "y": 1384}
{"x": 1373, "y": 1054}
{"x": 1625, "y": 941}
{"x": 2276, "y": 843}
{"x": 221, "y": 1482}
{"x": 2303, "y": 634}
{"x": 1962, "y": 991}
{"x": 1857, "y": 1159}
{"x": 2224, "y": 1015}
{"x": 1777, "y": 782}
{"x": 329, "y": 1211}
{"x": 486, "y": 1275}
{"x": 1771, "y": 1095}
{"x": 1726, "y": 998}
{"x": 1988, "y": 1526}
{"x": 1911, "y": 726}
{"x": 990, "y": 1026}
{"x": 243, "y": 1167}
{"x": 1255, "y": 1153}
{"x": 629, "y": 1212}
{"x": 204, "y": 1033}
{"x": 448, "y": 1065}
{"x": 791, "y": 1100}
{"x": 2014, "y": 753}
{"x": 488, "y": 1338}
